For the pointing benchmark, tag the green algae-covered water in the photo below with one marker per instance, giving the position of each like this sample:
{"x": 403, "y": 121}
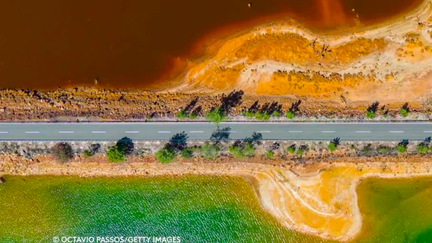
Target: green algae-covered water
{"x": 196, "y": 208}
{"x": 396, "y": 210}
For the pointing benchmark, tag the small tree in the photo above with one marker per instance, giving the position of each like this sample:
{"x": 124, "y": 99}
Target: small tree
{"x": 291, "y": 149}
{"x": 115, "y": 154}
{"x": 293, "y": 110}
{"x": 290, "y": 115}
{"x": 216, "y": 115}
{"x": 165, "y": 155}
{"x": 62, "y": 152}
{"x": 404, "y": 110}
{"x": 209, "y": 151}
{"x": 372, "y": 110}
{"x": 423, "y": 147}
{"x": 402, "y": 147}
{"x": 370, "y": 114}
{"x": 333, "y": 145}
{"x": 126, "y": 145}
{"x": 177, "y": 144}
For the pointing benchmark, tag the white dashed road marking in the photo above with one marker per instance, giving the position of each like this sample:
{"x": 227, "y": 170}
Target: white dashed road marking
{"x": 363, "y": 131}
{"x": 196, "y": 131}
{"x": 328, "y": 131}
{"x": 396, "y": 131}
{"x": 98, "y": 131}
{"x": 32, "y": 132}
{"x": 164, "y": 131}
{"x": 66, "y": 131}
{"x": 131, "y": 131}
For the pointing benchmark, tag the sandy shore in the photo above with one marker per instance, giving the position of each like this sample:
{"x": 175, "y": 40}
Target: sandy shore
{"x": 318, "y": 198}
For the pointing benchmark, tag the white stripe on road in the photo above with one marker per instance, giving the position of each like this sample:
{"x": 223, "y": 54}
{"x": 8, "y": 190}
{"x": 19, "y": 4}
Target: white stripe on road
{"x": 363, "y": 131}
{"x": 3, "y": 132}
{"x": 295, "y": 131}
{"x": 396, "y": 131}
{"x": 98, "y": 131}
{"x": 131, "y": 131}
{"x": 164, "y": 131}
{"x": 196, "y": 131}
{"x": 32, "y": 132}
{"x": 263, "y": 132}
{"x": 66, "y": 131}
{"x": 427, "y": 131}
{"x": 328, "y": 131}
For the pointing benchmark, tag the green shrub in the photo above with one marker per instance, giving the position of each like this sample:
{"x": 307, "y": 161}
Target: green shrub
{"x": 192, "y": 116}
{"x": 209, "y": 151}
{"x": 269, "y": 154}
{"x": 165, "y": 155}
{"x": 216, "y": 115}
{"x": 237, "y": 152}
{"x": 249, "y": 114}
{"x": 401, "y": 148}
{"x": 240, "y": 152}
{"x": 422, "y": 148}
{"x": 404, "y": 112}
{"x": 262, "y": 116}
{"x": 291, "y": 149}
{"x": 187, "y": 153}
{"x": 249, "y": 149}
{"x": 181, "y": 114}
{"x": 115, "y": 154}
{"x": 290, "y": 115}
{"x": 370, "y": 114}
{"x": 276, "y": 113}
{"x": 332, "y": 146}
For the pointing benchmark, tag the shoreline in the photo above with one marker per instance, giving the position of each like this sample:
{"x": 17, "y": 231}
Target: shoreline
{"x": 294, "y": 184}
{"x": 382, "y": 60}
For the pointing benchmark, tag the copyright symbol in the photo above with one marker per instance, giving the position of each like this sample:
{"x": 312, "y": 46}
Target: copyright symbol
{"x": 56, "y": 239}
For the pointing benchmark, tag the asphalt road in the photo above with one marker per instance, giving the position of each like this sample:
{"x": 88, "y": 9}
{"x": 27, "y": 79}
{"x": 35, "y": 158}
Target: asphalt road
{"x": 203, "y": 130}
